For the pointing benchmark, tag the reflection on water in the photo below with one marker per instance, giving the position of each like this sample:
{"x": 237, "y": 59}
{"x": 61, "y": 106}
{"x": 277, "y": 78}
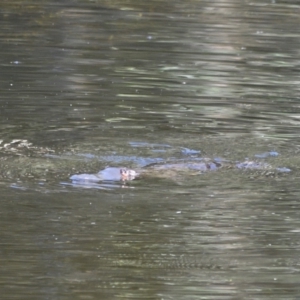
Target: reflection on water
{"x": 92, "y": 84}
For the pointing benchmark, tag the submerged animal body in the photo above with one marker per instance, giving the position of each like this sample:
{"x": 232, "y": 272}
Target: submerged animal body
{"x": 160, "y": 170}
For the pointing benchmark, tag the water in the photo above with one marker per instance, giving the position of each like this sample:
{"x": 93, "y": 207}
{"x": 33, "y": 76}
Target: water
{"x": 92, "y": 84}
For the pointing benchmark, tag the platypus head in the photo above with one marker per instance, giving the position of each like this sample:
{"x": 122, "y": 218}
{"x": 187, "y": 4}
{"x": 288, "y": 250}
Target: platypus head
{"x": 127, "y": 174}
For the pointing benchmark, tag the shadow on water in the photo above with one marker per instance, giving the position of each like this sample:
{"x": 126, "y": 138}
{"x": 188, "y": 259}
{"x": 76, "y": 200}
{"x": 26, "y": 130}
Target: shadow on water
{"x": 91, "y": 84}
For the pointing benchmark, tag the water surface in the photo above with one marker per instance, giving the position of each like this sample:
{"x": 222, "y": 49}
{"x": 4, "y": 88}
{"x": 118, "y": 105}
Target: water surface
{"x": 97, "y": 83}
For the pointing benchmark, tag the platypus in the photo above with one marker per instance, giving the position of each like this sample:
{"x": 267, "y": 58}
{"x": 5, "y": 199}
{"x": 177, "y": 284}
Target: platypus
{"x": 162, "y": 170}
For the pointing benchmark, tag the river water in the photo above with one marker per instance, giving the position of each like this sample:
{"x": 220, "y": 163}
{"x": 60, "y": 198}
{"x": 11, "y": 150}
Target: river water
{"x": 89, "y": 84}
